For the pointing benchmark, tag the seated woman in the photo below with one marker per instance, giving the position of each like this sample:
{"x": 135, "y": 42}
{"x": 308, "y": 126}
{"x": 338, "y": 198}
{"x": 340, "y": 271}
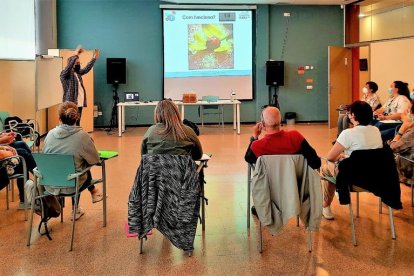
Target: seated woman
{"x": 67, "y": 138}
{"x": 403, "y": 144}
{"x": 21, "y": 148}
{"x": 398, "y": 103}
{"x": 362, "y": 136}
{"x": 169, "y": 135}
{"x": 5, "y": 152}
{"x": 370, "y": 96}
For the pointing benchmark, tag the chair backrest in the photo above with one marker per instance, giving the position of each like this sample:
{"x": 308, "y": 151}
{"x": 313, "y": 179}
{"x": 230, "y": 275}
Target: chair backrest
{"x": 374, "y": 170}
{"x": 3, "y": 116}
{"x": 55, "y": 169}
{"x": 291, "y": 185}
{"x": 210, "y": 99}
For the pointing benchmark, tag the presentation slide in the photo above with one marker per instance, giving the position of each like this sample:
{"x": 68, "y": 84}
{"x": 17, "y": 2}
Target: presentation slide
{"x": 208, "y": 52}
{"x": 17, "y": 21}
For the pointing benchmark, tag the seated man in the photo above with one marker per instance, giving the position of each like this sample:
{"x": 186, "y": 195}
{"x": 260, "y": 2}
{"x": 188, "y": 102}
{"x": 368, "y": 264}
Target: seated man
{"x": 362, "y": 136}
{"x": 278, "y": 141}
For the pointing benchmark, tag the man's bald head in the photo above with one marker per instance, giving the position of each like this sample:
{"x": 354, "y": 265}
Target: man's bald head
{"x": 271, "y": 117}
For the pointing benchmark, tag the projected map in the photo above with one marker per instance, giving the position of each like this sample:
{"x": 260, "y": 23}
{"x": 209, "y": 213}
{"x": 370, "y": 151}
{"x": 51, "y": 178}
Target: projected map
{"x": 210, "y": 46}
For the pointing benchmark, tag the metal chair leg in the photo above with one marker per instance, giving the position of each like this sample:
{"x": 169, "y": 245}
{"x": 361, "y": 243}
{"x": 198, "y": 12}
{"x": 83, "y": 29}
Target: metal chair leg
{"x": 260, "y": 237}
{"x": 357, "y": 200}
{"x": 24, "y": 190}
{"x": 104, "y": 192}
{"x": 248, "y": 195}
{"x": 309, "y": 240}
{"x": 62, "y": 205}
{"x": 351, "y": 214}
{"x": 141, "y": 246}
{"x": 12, "y": 190}
{"x": 29, "y": 233}
{"x": 392, "y": 223}
{"x": 75, "y": 210}
{"x": 297, "y": 220}
{"x": 7, "y": 197}
{"x": 203, "y": 209}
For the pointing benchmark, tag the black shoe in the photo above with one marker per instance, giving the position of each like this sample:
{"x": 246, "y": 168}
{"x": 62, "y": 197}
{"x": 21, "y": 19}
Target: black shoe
{"x": 254, "y": 213}
{"x": 333, "y": 142}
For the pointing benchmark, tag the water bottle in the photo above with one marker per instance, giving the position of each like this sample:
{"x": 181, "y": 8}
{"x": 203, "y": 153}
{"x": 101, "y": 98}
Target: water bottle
{"x": 232, "y": 95}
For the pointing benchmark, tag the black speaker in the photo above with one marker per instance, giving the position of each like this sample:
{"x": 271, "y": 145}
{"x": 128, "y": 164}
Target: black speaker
{"x": 363, "y": 64}
{"x": 116, "y": 70}
{"x": 275, "y": 72}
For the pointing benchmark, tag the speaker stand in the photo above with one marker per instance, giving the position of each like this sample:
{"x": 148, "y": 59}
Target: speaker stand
{"x": 273, "y": 96}
{"x": 114, "y": 116}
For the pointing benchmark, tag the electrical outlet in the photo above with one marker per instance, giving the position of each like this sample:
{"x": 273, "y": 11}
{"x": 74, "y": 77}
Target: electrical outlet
{"x": 286, "y": 14}
{"x": 99, "y": 113}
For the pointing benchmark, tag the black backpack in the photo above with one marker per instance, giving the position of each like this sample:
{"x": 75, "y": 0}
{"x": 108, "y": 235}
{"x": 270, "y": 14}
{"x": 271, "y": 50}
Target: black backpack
{"x": 192, "y": 125}
{"x": 47, "y": 207}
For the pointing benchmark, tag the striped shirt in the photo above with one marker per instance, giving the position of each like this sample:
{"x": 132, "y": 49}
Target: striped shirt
{"x": 70, "y": 82}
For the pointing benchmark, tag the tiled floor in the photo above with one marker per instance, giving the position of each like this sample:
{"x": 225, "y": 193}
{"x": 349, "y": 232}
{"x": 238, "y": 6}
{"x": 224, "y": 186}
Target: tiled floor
{"x": 226, "y": 247}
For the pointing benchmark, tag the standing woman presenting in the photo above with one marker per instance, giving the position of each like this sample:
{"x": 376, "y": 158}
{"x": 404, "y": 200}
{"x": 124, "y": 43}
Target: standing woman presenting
{"x": 71, "y": 79}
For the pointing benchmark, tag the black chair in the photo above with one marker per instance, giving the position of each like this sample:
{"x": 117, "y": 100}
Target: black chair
{"x": 362, "y": 172}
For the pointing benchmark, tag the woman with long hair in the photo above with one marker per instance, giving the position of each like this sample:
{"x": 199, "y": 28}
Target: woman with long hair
{"x": 389, "y": 116}
{"x": 169, "y": 135}
{"x": 67, "y": 138}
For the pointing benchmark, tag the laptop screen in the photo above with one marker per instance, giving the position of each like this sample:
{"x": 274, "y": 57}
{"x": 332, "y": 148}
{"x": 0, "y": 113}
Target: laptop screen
{"x": 131, "y": 96}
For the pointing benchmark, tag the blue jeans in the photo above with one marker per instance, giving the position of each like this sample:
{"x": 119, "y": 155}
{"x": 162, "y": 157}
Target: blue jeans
{"x": 387, "y": 129}
{"x": 24, "y": 151}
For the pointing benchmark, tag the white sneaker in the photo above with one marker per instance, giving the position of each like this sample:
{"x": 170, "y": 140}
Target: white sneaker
{"x": 80, "y": 212}
{"x": 327, "y": 213}
{"x": 28, "y": 189}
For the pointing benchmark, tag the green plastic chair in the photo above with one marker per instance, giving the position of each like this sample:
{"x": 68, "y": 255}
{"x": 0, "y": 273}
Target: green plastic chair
{"x": 212, "y": 109}
{"x": 10, "y": 187}
{"x": 3, "y": 116}
{"x": 58, "y": 171}
{"x": 32, "y": 133}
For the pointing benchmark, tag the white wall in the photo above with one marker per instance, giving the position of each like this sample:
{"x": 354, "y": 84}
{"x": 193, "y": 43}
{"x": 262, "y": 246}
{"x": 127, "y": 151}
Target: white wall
{"x": 391, "y": 61}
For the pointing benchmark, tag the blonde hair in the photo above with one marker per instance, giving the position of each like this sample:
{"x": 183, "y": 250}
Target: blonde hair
{"x": 68, "y": 113}
{"x": 166, "y": 112}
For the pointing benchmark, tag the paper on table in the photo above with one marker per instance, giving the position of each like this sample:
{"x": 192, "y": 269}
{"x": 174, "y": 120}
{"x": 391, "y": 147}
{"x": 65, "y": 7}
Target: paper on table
{"x": 106, "y": 154}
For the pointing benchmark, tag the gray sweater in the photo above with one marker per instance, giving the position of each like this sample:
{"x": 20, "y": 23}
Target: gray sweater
{"x": 72, "y": 140}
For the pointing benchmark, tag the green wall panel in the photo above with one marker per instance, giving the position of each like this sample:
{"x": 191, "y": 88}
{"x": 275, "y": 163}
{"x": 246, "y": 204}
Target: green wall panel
{"x": 133, "y": 29}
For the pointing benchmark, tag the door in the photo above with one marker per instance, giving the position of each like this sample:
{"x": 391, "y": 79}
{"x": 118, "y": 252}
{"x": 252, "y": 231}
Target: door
{"x": 339, "y": 81}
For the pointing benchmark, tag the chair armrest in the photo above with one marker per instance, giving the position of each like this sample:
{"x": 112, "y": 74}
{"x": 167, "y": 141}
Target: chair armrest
{"x": 402, "y": 157}
{"x": 77, "y": 174}
{"x": 37, "y": 173}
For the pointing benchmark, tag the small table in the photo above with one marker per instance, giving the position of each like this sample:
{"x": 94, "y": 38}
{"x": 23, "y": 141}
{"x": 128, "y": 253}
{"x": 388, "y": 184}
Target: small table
{"x": 235, "y": 104}
{"x": 105, "y": 155}
{"x": 121, "y": 113}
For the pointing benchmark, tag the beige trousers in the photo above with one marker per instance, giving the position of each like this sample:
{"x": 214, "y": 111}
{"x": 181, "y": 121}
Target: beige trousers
{"x": 328, "y": 170}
